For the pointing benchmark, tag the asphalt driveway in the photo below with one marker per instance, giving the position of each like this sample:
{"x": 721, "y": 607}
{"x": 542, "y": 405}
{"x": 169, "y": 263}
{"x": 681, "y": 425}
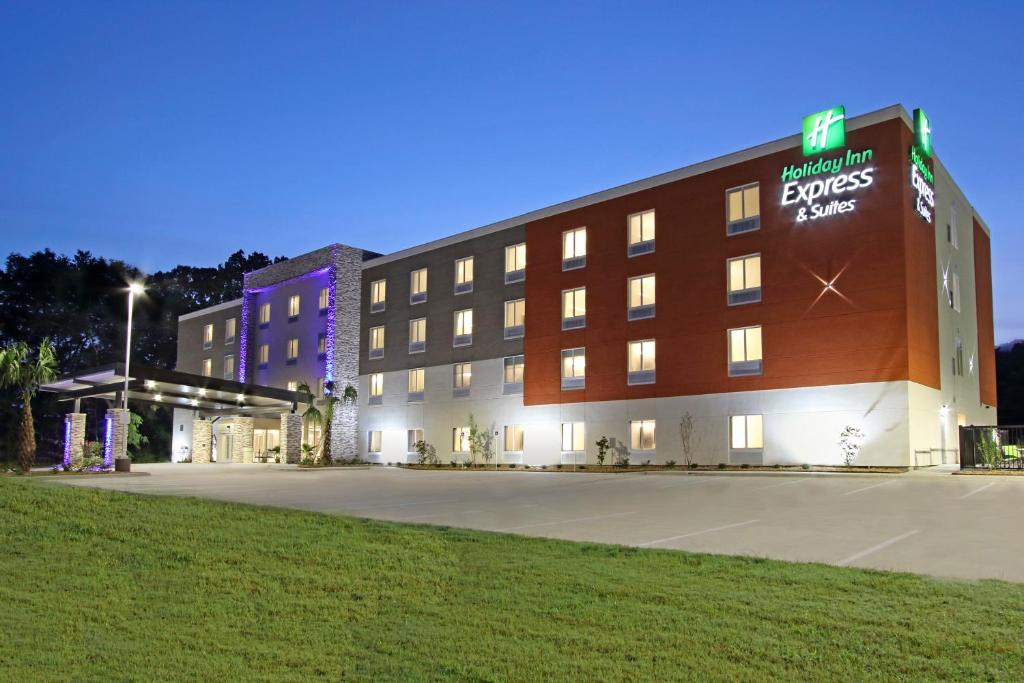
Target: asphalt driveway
{"x": 926, "y": 522}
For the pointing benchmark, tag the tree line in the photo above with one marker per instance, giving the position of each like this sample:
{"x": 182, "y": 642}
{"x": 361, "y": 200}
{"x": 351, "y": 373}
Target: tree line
{"x": 79, "y": 303}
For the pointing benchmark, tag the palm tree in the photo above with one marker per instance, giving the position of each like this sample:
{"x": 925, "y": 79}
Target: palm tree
{"x": 23, "y": 372}
{"x": 315, "y": 417}
{"x": 312, "y": 418}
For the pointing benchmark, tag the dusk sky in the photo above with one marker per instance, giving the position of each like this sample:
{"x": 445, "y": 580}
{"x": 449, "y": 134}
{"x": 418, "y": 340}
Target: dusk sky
{"x": 181, "y": 132}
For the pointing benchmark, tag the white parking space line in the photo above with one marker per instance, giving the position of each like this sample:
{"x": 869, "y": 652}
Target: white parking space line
{"x": 876, "y": 548}
{"x": 868, "y": 488}
{"x": 786, "y": 483}
{"x": 977, "y": 490}
{"x": 698, "y": 533}
{"x": 567, "y": 521}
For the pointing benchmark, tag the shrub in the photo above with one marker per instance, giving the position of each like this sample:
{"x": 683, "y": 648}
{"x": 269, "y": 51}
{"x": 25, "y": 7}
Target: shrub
{"x": 452, "y": 463}
{"x": 692, "y": 465}
{"x": 805, "y": 466}
{"x": 745, "y": 466}
{"x": 512, "y": 466}
{"x": 426, "y": 454}
{"x": 776, "y": 466}
{"x": 622, "y": 460}
{"x": 647, "y": 463}
{"x": 559, "y": 465}
{"x": 583, "y": 467}
{"x": 543, "y": 467}
{"x": 603, "y": 444}
{"x": 670, "y": 464}
{"x": 721, "y": 465}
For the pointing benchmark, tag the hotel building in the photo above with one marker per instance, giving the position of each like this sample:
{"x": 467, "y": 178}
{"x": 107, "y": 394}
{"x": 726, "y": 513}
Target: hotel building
{"x": 768, "y": 298}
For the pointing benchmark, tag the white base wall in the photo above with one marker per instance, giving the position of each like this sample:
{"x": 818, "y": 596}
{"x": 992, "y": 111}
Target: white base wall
{"x": 900, "y": 421}
{"x": 181, "y": 435}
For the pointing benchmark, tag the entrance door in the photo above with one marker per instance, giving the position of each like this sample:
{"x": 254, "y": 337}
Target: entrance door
{"x": 224, "y": 447}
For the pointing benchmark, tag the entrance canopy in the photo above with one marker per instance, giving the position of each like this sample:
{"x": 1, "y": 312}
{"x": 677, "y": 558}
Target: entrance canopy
{"x": 176, "y": 389}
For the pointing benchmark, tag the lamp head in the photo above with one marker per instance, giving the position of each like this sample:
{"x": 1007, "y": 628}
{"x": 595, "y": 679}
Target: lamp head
{"x": 136, "y": 288}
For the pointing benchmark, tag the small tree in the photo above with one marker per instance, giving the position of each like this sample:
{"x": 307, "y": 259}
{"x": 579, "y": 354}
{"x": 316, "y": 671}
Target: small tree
{"x": 24, "y": 371}
{"x": 427, "y": 454}
{"x": 686, "y": 437}
{"x": 481, "y": 442}
{"x": 603, "y": 445}
{"x": 851, "y": 439}
{"x": 136, "y": 439}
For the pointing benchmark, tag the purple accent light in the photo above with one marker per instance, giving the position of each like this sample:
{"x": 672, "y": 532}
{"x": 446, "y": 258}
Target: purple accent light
{"x": 243, "y": 342}
{"x": 67, "y": 442}
{"x": 108, "y": 442}
{"x": 332, "y": 289}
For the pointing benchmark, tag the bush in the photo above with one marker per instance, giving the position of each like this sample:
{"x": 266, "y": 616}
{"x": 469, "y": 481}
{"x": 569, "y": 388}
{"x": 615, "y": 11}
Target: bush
{"x": 776, "y": 466}
{"x": 559, "y": 465}
{"x": 512, "y": 466}
{"x": 745, "y": 466}
{"x": 693, "y": 465}
{"x": 543, "y": 467}
{"x": 603, "y": 444}
{"x": 583, "y": 467}
{"x": 670, "y": 464}
{"x": 721, "y": 465}
{"x": 805, "y": 466}
{"x": 647, "y": 463}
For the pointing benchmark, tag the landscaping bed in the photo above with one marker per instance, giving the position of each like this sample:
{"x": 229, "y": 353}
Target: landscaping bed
{"x": 110, "y": 586}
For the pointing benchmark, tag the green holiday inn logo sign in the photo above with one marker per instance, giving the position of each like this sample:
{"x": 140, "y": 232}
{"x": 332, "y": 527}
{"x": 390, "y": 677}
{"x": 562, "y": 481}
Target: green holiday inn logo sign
{"x": 831, "y": 184}
{"x": 922, "y": 178}
{"x": 825, "y": 130}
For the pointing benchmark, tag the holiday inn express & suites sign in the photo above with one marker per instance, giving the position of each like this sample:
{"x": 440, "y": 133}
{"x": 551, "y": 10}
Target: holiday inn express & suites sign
{"x": 829, "y": 185}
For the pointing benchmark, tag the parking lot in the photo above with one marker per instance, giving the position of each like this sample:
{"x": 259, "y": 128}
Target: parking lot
{"x": 926, "y": 522}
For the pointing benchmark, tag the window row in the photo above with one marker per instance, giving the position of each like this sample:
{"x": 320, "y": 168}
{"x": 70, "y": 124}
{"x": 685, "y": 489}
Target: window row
{"x": 295, "y": 307}
{"x": 746, "y": 433}
{"x": 230, "y": 329}
{"x": 744, "y": 348}
{"x": 291, "y": 351}
{"x": 229, "y": 367}
{"x": 515, "y": 271}
{"x": 462, "y": 329}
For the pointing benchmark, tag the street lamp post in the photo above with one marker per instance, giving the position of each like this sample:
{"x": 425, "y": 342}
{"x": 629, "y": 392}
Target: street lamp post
{"x": 133, "y": 289}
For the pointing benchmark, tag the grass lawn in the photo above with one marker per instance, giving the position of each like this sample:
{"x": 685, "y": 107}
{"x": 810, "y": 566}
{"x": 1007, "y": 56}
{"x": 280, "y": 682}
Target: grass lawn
{"x": 107, "y": 586}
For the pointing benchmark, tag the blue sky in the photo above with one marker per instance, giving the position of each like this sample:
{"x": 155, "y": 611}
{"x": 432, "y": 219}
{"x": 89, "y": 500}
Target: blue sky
{"x": 179, "y": 132}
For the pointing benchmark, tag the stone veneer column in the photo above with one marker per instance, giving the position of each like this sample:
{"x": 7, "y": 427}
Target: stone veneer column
{"x": 74, "y": 434}
{"x": 202, "y": 440}
{"x": 348, "y": 273}
{"x": 118, "y": 440}
{"x": 242, "y": 438}
{"x": 291, "y": 437}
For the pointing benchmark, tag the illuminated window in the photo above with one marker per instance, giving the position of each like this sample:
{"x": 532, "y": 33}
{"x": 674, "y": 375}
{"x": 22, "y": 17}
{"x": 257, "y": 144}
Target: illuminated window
{"x": 413, "y": 437}
{"x": 641, "y": 233}
{"x": 515, "y": 318}
{"x": 418, "y": 335}
{"x": 462, "y": 376}
{"x": 378, "y": 295}
{"x": 574, "y": 308}
{"x": 418, "y": 286}
{"x": 464, "y": 275}
{"x": 744, "y": 275}
{"x": 311, "y": 434}
{"x": 573, "y": 437}
{"x": 207, "y": 367}
{"x": 265, "y": 314}
{"x": 743, "y": 209}
{"x": 515, "y": 263}
{"x": 574, "y": 248}
{"x": 745, "y": 351}
{"x": 641, "y": 435}
{"x": 321, "y": 344}
{"x": 514, "y": 370}
{"x": 374, "y": 441}
{"x": 463, "y": 335}
{"x": 264, "y": 355}
{"x": 460, "y": 440}
{"x": 641, "y": 297}
{"x": 416, "y": 379}
{"x": 641, "y": 362}
{"x": 376, "y": 388}
{"x": 377, "y": 342}
{"x": 746, "y": 432}
{"x": 293, "y": 349}
{"x": 293, "y": 307}
{"x": 229, "y": 367}
{"x": 513, "y": 438}
{"x": 574, "y": 368}
{"x": 207, "y": 336}
{"x": 293, "y": 385}
{"x": 229, "y": 330}
{"x": 324, "y": 300}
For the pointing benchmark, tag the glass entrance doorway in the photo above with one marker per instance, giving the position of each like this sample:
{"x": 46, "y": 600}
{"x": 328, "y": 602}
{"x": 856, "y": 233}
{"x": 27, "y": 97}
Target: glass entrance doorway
{"x": 265, "y": 444}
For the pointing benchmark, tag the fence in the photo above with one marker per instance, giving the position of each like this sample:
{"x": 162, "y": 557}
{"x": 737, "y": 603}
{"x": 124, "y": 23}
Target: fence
{"x": 997, "y": 448}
